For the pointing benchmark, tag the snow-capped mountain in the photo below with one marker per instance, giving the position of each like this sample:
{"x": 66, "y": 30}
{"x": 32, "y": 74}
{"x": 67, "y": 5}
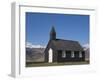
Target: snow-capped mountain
{"x": 30, "y": 45}
{"x": 87, "y": 51}
{"x": 34, "y": 53}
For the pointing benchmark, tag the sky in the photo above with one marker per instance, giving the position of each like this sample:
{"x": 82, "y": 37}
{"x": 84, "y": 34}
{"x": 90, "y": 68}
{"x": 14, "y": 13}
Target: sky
{"x": 67, "y": 26}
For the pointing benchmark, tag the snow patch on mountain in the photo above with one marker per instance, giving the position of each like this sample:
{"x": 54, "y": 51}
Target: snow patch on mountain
{"x": 30, "y": 45}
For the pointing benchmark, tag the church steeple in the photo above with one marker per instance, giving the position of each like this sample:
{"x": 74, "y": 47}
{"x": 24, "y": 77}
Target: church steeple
{"x": 53, "y": 34}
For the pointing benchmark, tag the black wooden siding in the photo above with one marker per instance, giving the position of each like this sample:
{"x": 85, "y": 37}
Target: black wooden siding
{"x": 69, "y": 58}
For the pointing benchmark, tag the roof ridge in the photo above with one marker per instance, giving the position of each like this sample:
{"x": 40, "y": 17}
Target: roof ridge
{"x": 67, "y": 40}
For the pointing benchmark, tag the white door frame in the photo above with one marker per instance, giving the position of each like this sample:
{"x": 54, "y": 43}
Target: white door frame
{"x": 50, "y": 55}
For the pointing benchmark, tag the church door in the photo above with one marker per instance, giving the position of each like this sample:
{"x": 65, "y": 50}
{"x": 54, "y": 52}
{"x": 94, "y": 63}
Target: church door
{"x": 50, "y": 55}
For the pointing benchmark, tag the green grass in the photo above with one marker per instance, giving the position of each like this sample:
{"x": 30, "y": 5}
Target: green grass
{"x": 40, "y": 64}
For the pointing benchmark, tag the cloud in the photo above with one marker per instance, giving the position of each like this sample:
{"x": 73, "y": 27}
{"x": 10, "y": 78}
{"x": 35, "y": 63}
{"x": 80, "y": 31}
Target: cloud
{"x": 86, "y": 45}
{"x": 30, "y": 45}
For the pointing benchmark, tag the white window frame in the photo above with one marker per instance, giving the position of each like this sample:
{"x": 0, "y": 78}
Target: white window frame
{"x": 72, "y": 54}
{"x": 80, "y": 54}
{"x": 63, "y": 54}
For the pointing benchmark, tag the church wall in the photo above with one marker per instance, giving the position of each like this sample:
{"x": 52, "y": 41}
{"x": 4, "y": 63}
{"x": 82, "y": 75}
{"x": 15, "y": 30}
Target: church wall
{"x": 69, "y": 58}
{"x": 55, "y": 56}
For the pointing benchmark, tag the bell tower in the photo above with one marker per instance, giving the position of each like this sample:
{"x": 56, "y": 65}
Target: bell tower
{"x": 53, "y": 34}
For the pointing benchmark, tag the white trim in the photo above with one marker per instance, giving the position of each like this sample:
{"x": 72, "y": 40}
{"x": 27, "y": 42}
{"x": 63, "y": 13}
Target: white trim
{"x": 72, "y": 54}
{"x": 50, "y": 55}
{"x": 15, "y": 43}
{"x": 63, "y": 54}
{"x": 80, "y": 54}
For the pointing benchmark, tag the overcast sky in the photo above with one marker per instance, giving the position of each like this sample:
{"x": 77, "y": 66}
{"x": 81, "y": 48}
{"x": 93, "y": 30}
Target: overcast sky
{"x": 67, "y": 26}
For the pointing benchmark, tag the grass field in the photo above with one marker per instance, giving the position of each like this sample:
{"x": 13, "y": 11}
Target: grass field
{"x": 40, "y": 64}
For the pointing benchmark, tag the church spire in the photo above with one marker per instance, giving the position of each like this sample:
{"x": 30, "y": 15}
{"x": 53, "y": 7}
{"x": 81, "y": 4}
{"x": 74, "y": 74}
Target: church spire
{"x": 53, "y": 34}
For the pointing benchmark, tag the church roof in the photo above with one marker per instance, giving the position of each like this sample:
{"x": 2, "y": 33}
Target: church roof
{"x": 60, "y": 44}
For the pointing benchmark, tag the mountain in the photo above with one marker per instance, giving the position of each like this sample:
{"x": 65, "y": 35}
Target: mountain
{"x": 35, "y": 54}
{"x": 87, "y": 51}
{"x": 30, "y": 45}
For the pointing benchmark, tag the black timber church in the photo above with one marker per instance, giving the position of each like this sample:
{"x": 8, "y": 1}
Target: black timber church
{"x": 60, "y": 50}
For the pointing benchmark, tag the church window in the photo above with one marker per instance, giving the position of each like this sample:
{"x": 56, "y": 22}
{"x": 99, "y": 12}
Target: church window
{"x": 72, "y": 54}
{"x": 63, "y": 54}
{"x": 80, "y": 54}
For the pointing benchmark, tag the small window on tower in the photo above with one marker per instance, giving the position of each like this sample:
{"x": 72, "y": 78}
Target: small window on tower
{"x": 63, "y": 54}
